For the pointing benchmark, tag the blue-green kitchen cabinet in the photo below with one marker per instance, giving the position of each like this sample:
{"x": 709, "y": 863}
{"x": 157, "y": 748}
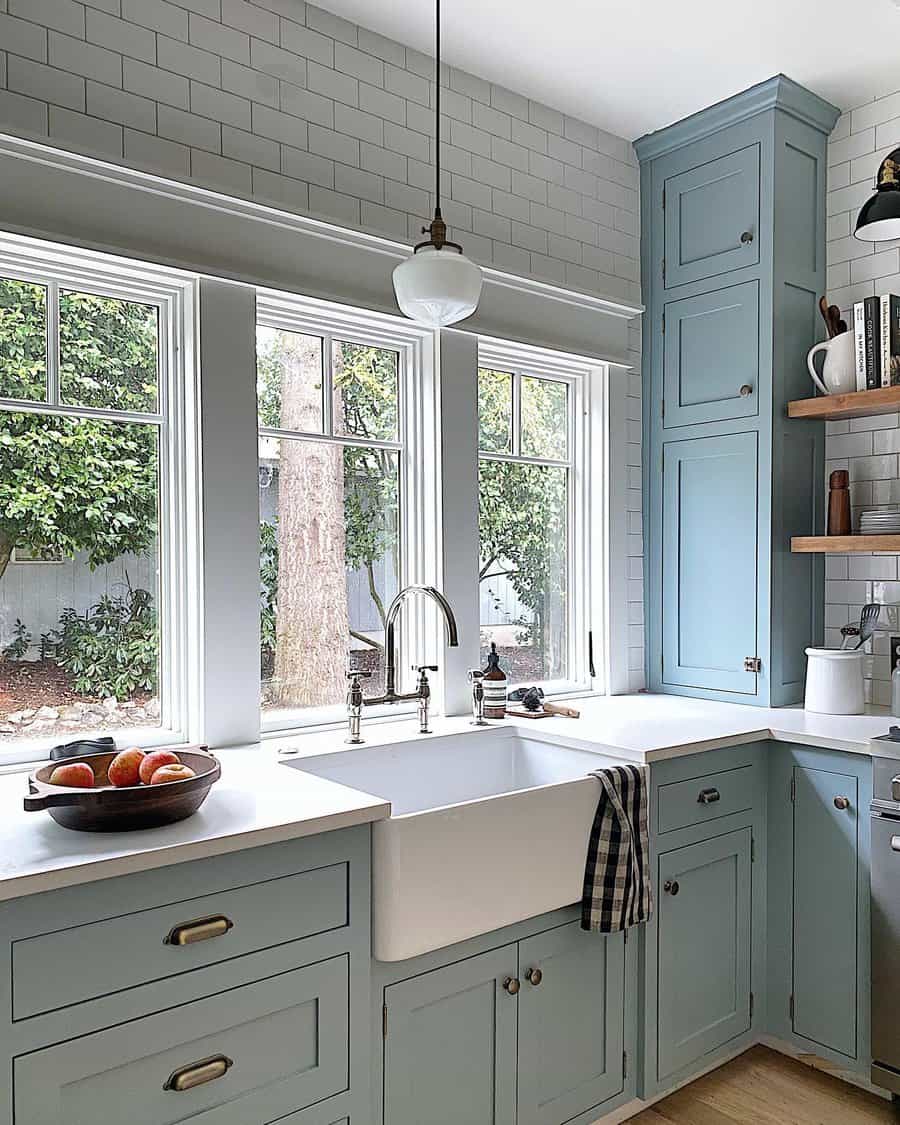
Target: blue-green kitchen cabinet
{"x": 818, "y": 939}
{"x": 733, "y": 262}
{"x": 532, "y": 1031}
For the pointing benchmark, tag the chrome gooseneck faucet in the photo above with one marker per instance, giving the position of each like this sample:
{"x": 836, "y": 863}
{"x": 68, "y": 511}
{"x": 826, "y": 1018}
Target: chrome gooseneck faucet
{"x": 422, "y": 694}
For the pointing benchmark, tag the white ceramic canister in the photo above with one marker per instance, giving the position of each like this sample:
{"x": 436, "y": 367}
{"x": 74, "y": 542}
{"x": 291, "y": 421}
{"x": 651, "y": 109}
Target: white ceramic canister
{"x": 834, "y": 681}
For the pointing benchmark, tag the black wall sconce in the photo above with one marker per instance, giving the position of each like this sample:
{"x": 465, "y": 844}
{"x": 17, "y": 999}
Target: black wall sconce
{"x": 879, "y": 219}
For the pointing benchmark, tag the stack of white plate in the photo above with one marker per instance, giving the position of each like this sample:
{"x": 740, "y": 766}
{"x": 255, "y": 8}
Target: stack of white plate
{"x": 879, "y": 523}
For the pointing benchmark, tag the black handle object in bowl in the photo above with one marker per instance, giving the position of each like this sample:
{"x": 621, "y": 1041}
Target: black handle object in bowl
{"x": 80, "y": 746}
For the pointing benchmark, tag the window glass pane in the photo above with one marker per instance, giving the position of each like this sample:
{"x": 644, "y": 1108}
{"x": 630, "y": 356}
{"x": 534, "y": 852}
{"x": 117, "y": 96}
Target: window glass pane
{"x": 544, "y": 418}
{"x": 108, "y": 353}
{"x": 494, "y": 411}
{"x": 79, "y": 563}
{"x": 289, "y": 380}
{"x": 23, "y": 340}
{"x": 329, "y": 567}
{"x": 523, "y": 527}
{"x": 364, "y": 391}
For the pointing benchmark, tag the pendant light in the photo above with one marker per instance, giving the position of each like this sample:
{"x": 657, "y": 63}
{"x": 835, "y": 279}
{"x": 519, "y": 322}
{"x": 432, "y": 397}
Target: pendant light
{"x": 879, "y": 219}
{"x": 437, "y": 285}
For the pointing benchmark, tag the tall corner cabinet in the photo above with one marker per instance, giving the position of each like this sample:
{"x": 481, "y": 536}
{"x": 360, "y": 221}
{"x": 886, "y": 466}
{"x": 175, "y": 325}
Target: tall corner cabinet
{"x": 733, "y": 263}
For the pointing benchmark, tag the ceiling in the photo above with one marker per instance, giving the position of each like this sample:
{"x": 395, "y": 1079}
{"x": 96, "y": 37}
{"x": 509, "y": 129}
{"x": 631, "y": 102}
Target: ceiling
{"x": 634, "y": 67}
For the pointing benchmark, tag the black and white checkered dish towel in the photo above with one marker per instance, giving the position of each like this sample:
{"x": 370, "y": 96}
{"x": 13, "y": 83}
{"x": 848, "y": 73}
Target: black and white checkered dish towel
{"x": 617, "y": 891}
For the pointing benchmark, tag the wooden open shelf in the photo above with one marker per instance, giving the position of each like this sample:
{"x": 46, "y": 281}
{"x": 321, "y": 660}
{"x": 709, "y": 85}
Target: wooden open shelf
{"x": 843, "y": 544}
{"x": 858, "y": 404}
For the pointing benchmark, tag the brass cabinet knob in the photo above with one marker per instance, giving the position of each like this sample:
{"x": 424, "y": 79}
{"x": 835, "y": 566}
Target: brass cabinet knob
{"x": 842, "y": 803}
{"x": 709, "y": 796}
{"x": 671, "y": 887}
{"x": 512, "y": 986}
{"x": 746, "y": 390}
{"x": 534, "y": 976}
{"x": 746, "y": 237}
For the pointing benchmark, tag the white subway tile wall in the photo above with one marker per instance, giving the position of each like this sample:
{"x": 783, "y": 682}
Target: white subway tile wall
{"x": 285, "y": 103}
{"x": 867, "y": 447}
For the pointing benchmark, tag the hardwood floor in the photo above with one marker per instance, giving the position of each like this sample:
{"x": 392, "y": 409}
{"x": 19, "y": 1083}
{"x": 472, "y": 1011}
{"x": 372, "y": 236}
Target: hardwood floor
{"x": 763, "y": 1087}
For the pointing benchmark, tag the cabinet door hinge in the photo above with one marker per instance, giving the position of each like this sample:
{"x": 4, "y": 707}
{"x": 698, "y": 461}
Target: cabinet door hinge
{"x": 751, "y": 1005}
{"x": 663, "y": 408}
{"x": 664, "y": 199}
{"x": 384, "y": 1021}
{"x": 664, "y": 269}
{"x": 664, "y": 324}
{"x": 793, "y": 789}
{"x": 791, "y": 1007}
{"x": 752, "y": 848}
{"x": 624, "y": 1064}
{"x": 625, "y": 937}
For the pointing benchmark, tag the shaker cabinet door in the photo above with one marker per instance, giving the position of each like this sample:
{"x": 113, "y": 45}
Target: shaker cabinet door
{"x": 712, "y": 218}
{"x": 711, "y": 356}
{"x": 570, "y": 1023}
{"x": 703, "y": 920}
{"x": 709, "y": 562}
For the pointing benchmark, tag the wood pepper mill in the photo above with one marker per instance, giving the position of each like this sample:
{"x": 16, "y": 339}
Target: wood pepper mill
{"x": 839, "y": 503}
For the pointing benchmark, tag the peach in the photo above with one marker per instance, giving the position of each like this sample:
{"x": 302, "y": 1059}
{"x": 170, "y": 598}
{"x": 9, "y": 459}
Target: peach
{"x": 175, "y": 772}
{"x": 154, "y": 760}
{"x": 125, "y": 768}
{"x": 79, "y": 775}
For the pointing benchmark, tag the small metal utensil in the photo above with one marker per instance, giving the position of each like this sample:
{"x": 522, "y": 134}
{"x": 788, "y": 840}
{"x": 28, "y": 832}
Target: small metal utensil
{"x": 867, "y": 622}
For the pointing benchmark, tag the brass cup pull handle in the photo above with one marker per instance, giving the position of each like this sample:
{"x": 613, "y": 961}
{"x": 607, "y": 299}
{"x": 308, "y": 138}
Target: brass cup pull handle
{"x": 200, "y": 929}
{"x": 842, "y": 803}
{"x": 746, "y": 237}
{"x": 512, "y": 985}
{"x": 198, "y": 1073}
{"x": 534, "y": 976}
{"x": 709, "y": 796}
{"x": 671, "y": 887}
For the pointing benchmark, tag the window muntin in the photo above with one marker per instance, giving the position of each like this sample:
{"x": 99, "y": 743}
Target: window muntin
{"x": 531, "y": 523}
{"x": 94, "y": 475}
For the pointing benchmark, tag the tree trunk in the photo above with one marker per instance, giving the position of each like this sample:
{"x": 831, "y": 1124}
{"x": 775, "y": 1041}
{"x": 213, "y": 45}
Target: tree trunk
{"x": 312, "y": 626}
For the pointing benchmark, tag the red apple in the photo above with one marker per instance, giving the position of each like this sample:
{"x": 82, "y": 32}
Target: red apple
{"x": 175, "y": 772}
{"x": 154, "y": 760}
{"x": 125, "y": 768}
{"x": 76, "y": 774}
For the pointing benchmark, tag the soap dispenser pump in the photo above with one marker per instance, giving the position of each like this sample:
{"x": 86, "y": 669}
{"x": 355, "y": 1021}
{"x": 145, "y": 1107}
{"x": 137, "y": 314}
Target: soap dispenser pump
{"x": 494, "y": 683}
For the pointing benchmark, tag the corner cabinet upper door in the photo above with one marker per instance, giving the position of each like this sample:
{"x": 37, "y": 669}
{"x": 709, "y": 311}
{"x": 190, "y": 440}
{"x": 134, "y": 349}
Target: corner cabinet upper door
{"x": 712, "y": 218}
{"x": 709, "y": 562}
{"x": 704, "y": 946}
{"x": 711, "y": 356}
{"x": 570, "y": 1024}
{"x": 826, "y": 890}
{"x": 450, "y": 1048}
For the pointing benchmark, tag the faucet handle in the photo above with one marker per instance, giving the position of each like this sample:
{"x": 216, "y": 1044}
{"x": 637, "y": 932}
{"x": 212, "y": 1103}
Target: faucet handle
{"x": 357, "y": 674}
{"x": 420, "y": 668}
{"x": 475, "y": 675}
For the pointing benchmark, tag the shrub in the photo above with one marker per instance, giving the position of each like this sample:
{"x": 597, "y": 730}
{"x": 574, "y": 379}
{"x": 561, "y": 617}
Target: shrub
{"x": 20, "y": 643}
{"x": 112, "y": 649}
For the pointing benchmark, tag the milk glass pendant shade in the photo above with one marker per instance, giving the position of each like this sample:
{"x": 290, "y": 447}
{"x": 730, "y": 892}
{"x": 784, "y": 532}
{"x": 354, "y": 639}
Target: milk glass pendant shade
{"x": 879, "y": 219}
{"x": 437, "y": 285}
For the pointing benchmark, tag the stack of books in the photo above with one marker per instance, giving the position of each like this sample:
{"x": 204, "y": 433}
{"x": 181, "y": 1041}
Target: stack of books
{"x": 876, "y": 325}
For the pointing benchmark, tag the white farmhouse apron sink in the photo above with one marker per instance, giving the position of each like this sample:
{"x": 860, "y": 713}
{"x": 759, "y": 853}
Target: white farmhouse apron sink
{"x": 487, "y": 828}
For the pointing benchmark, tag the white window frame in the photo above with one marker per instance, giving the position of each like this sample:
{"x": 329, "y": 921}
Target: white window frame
{"x": 587, "y": 508}
{"x": 172, "y": 293}
{"x": 419, "y": 472}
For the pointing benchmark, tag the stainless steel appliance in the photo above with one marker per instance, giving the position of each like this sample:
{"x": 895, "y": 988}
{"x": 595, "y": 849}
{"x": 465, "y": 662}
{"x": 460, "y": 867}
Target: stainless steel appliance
{"x": 886, "y": 925}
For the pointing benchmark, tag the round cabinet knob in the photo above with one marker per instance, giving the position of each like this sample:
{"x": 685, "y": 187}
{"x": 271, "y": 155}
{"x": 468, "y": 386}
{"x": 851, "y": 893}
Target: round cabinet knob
{"x": 746, "y": 237}
{"x": 512, "y": 986}
{"x": 534, "y": 976}
{"x": 671, "y": 887}
{"x": 842, "y": 803}
{"x": 746, "y": 390}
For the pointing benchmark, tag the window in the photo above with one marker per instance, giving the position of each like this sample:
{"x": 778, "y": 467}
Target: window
{"x": 91, "y": 475}
{"x": 339, "y": 532}
{"x": 531, "y": 518}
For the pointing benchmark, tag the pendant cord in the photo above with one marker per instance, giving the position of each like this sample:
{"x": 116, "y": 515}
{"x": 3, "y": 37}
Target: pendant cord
{"x": 437, "y": 108}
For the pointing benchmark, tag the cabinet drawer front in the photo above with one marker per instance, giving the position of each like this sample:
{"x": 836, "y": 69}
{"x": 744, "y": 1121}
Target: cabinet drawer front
{"x": 66, "y": 967}
{"x": 285, "y": 1038}
{"x": 711, "y": 356}
{"x": 712, "y": 218}
{"x": 700, "y": 799}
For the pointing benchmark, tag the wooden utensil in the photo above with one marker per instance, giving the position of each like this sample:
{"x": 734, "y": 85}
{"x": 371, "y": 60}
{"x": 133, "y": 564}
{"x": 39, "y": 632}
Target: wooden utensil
{"x": 130, "y": 807}
{"x": 825, "y": 311}
{"x": 547, "y": 709}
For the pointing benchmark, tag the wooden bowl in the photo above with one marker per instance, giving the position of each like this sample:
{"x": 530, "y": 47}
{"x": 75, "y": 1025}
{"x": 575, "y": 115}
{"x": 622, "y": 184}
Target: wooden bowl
{"x": 127, "y": 808}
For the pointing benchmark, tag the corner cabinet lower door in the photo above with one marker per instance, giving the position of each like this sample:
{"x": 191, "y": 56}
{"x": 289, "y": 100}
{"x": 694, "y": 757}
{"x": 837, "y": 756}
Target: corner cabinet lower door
{"x": 450, "y": 1051}
{"x": 703, "y": 919}
{"x": 709, "y": 562}
{"x": 254, "y": 1054}
{"x": 826, "y": 847}
{"x": 571, "y": 1024}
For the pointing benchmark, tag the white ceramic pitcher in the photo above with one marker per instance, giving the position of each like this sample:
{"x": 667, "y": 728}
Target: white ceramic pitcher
{"x": 839, "y": 368}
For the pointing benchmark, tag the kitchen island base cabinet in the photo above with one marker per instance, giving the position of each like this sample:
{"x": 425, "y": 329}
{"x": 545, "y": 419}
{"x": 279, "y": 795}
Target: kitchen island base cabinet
{"x": 704, "y": 938}
{"x": 531, "y": 1033}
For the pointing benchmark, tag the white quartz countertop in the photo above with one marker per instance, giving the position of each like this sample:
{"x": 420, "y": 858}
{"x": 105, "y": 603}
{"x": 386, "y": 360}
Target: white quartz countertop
{"x": 258, "y": 801}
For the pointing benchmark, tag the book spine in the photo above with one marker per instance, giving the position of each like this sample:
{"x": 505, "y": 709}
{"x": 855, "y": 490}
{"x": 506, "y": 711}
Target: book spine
{"x": 884, "y": 339}
{"x": 872, "y": 307}
{"x": 859, "y": 332}
{"x": 895, "y": 341}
